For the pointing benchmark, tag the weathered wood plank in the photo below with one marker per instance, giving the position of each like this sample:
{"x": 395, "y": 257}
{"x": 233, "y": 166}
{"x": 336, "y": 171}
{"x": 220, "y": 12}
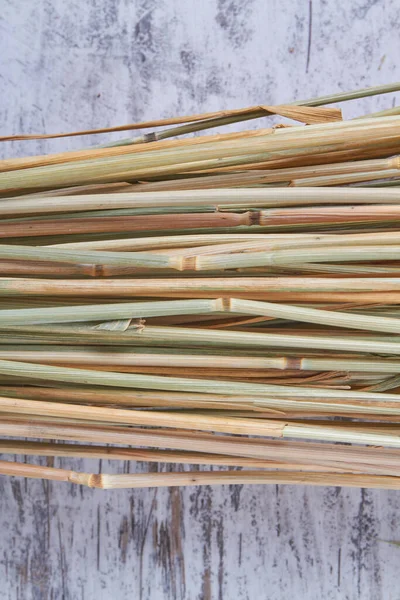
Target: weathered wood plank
{"x": 61, "y": 541}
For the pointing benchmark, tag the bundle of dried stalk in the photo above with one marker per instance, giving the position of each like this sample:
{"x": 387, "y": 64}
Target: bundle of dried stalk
{"x": 229, "y": 299}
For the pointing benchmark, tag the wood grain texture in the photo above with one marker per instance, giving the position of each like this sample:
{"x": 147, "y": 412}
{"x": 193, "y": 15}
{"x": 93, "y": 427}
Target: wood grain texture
{"x": 75, "y": 65}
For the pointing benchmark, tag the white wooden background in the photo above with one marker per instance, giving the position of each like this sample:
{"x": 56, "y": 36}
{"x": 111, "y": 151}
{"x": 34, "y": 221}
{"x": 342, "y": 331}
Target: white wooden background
{"x": 74, "y": 65}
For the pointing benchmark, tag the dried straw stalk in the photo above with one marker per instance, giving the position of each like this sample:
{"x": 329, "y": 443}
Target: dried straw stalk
{"x": 264, "y": 306}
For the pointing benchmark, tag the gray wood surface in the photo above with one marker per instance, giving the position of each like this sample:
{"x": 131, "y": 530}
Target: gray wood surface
{"x": 72, "y": 65}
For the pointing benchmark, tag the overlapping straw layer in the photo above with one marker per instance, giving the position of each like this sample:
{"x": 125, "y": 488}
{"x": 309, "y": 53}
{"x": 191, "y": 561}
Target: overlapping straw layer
{"x": 226, "y": 300}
